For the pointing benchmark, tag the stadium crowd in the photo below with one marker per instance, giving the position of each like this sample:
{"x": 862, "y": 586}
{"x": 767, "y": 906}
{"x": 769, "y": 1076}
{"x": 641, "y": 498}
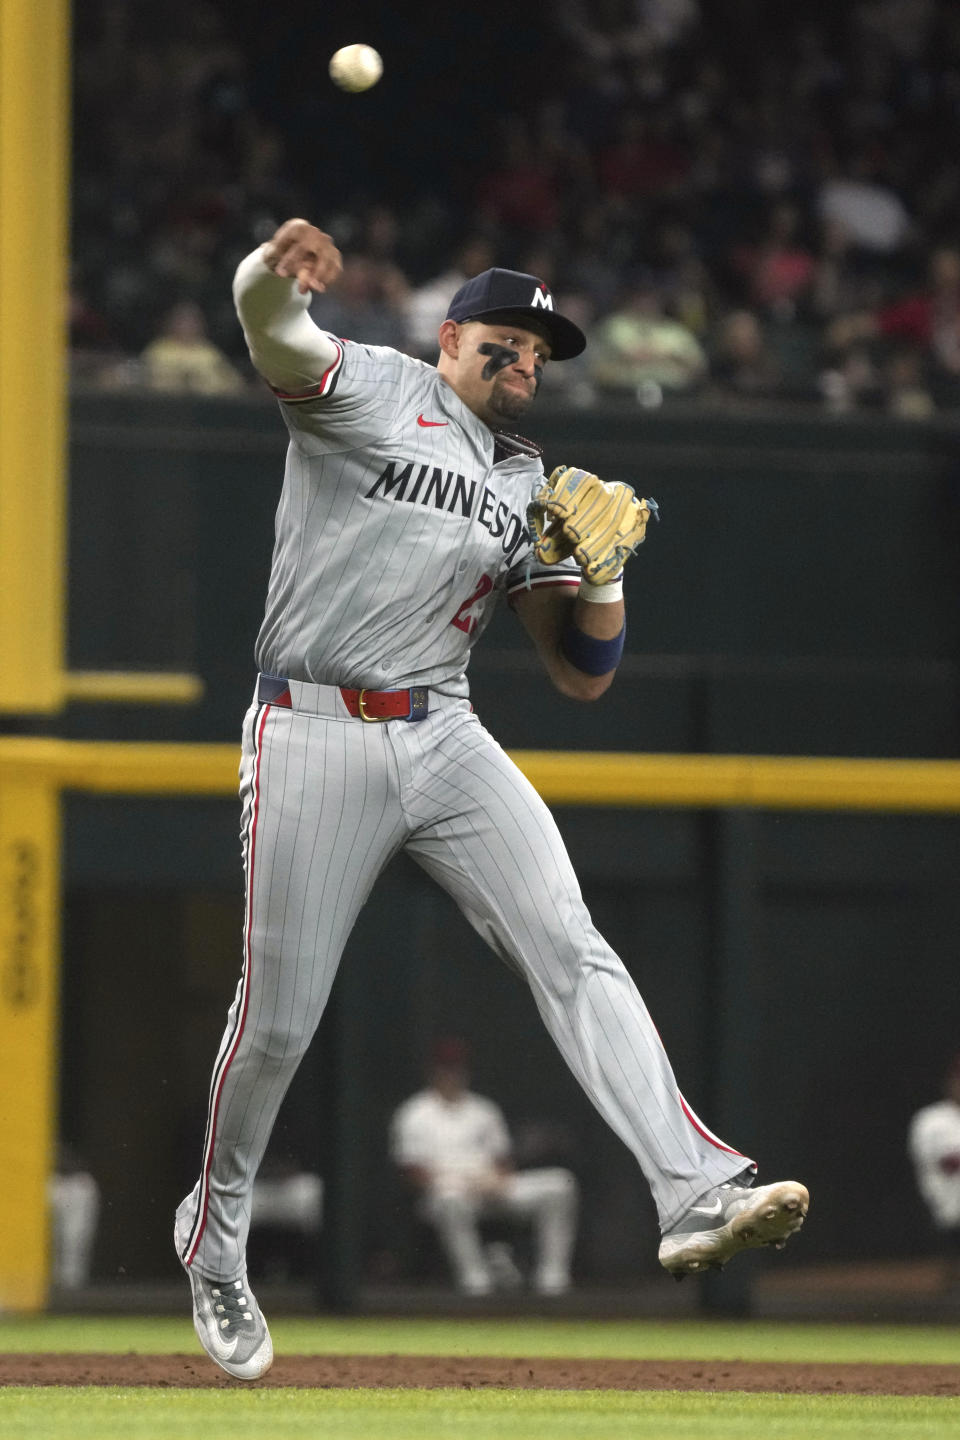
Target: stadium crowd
{"x": 740, "y": 204}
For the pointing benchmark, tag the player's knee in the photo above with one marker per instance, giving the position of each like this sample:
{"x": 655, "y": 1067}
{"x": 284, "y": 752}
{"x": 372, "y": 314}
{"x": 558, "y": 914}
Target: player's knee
{"x": 563, "y": 1189}
{"x": 281, "y": 1044}
{"x": 447, "y": 1207}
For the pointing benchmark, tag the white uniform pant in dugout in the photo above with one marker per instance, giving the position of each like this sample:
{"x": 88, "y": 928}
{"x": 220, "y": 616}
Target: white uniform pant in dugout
{"x": 74, "y": 1215}
{"x": 545, "y": 1198}
{"x": 328, "y": 800}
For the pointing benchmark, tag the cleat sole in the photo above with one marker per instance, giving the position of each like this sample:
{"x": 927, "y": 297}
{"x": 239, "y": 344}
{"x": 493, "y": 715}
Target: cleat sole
{"x": 779, "y": 1212}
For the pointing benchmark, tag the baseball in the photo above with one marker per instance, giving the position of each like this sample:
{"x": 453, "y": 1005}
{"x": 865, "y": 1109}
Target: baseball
{"x": 356, "y": 67}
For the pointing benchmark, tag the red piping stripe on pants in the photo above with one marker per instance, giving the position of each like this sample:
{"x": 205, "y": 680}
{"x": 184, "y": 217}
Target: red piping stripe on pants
{"x": 701, "y": 1129}
{"x": 218, "y": 1079}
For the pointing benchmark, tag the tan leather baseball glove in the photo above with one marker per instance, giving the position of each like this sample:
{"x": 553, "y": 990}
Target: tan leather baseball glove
{"x": 598, "y": 522}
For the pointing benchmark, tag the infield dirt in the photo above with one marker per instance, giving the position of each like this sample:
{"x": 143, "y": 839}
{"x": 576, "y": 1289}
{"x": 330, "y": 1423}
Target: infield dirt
{"x": 487, "y": 1372}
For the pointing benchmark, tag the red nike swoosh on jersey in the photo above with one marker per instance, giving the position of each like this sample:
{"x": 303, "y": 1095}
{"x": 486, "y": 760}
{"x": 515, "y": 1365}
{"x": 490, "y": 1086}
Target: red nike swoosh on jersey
{"x": 426, "y": 423}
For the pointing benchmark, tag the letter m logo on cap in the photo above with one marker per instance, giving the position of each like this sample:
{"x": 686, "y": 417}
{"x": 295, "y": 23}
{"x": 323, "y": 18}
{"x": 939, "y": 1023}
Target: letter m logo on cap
{"x": 542, "y": 299}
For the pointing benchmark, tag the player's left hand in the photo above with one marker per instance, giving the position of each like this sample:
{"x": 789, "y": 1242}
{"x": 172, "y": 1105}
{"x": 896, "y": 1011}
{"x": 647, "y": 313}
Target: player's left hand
{"x": 598, "y": 522}
{"x": 303, "y": 252}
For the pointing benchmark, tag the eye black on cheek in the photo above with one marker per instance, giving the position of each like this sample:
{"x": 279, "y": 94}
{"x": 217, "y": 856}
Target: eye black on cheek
{"x": 500, "y": 356}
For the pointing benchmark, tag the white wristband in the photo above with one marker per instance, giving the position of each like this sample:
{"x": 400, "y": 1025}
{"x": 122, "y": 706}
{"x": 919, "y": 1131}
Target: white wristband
{"x": 601, "y": 594}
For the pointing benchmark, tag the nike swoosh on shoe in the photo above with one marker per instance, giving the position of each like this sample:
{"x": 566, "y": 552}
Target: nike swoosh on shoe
{"x": 713, "y": 1209}
{"x": 226, "y": 1350}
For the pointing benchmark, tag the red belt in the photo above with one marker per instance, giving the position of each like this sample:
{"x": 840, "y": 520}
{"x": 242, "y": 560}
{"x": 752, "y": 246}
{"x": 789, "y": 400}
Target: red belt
{"x": 386, "y": 704}
{"x": 370, "y": 705}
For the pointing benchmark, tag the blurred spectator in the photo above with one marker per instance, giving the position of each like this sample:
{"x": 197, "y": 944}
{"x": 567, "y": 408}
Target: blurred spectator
{"x": 850, "y": 379}
{"x": 905, "y": 390}
{"x": 454, "y": 1148}
{"x": 933, "y": 1144}
{"x": 869, "y": 210}
{"x": 184, "y": 358}
{"x": 571, "y": 383}
{"x": 930, "y": 320}
{"x": 780, "y": 269}
{"x": 89, "y": 330}
{"x": 94, "y": 348}
{"x": 893, "y": 379}
{"x": 381, "y": 236}
{"x": 368, "y": 304}
{"x": 841, "y": 282}
{"x": 520, "y": 197}
{"x": 426, "y": 306}
{"x": 927, "y": 321}
{"x": 903, "y": 24}
{"x": 639, "y": 350}
{"x": 595, "y": 256}
{"x": 743, "y": 364}
{"x": 667, "y": 21}
{"x": 619, "y": 32}
{"x": 645, "y": 157}
{"x": 690, "y": 294}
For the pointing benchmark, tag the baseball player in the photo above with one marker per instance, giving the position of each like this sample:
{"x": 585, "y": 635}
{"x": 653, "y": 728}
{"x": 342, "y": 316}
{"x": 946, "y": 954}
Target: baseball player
{"x": 933, "y": 1144}
{"x": 408, "y": 509}
{"x": 453, "y": 1146}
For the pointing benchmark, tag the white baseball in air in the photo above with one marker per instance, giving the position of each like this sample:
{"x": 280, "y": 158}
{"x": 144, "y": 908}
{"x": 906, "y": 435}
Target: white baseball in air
{"x": 355, "y": 67}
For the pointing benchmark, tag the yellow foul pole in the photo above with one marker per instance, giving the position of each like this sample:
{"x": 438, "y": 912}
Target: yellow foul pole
{"x": 34, "y": 51}
{"x": 29, "y": 943}
{"x": 34, "y": 87}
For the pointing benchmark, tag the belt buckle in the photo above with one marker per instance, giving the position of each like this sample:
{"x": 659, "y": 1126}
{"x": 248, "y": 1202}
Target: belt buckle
{"x": 370, "y": 719}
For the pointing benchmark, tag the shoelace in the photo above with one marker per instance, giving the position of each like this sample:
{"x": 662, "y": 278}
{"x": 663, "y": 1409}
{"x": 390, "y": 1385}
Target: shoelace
{"x": 231, "y": 1305}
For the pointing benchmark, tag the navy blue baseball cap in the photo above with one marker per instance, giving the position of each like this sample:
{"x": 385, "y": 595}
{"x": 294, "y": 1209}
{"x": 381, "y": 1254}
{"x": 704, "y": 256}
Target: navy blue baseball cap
{"x": 511, "y": 295}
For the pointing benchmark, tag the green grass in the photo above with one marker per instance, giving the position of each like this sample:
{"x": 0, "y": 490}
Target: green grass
{"x": 134, "y": 1414}
{"x": 589, "y": 1339}
{"x": 67, "y": 1413}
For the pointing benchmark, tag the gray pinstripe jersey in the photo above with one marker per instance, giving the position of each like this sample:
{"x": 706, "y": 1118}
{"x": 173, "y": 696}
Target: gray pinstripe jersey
{"x": 397, "y": 530}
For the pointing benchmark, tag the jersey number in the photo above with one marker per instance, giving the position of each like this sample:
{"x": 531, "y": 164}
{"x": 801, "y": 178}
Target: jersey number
{"x": 463, "y": 619}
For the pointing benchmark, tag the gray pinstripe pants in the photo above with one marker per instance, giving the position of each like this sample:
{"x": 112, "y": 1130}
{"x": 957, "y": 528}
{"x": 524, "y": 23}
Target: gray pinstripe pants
{"x": 327, "y": 802}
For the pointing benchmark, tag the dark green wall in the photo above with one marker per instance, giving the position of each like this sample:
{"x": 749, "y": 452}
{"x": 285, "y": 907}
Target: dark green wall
{"x": 799, "y": 596}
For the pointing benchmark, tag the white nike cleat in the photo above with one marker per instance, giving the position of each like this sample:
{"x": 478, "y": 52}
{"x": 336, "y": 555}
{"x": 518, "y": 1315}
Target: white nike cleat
{"x": 229, "y": 1324}
{"x": 731, "y": 1218}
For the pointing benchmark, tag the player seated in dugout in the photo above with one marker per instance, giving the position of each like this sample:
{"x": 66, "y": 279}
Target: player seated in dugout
{"x": 453, "y": 1147}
